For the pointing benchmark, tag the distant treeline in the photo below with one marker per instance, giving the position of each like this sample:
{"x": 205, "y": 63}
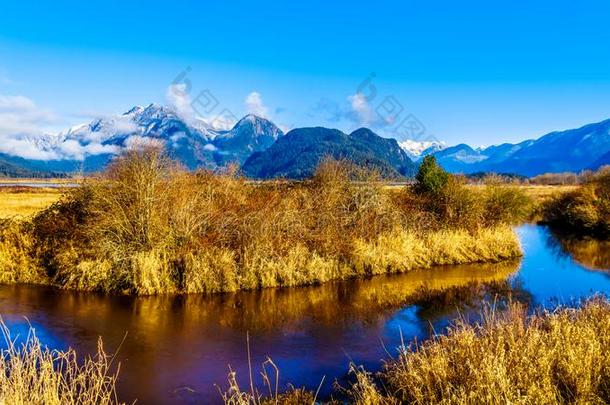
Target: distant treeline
{"x": 550, "y": 179}
{"x": 568, "y": 178}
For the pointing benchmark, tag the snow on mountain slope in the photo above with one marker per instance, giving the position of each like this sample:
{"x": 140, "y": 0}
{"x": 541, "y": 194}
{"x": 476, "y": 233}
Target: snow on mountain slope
{"x": 417, "y": 149}
{"x": 194, "y": 142}
{"x": 571, "y": 150}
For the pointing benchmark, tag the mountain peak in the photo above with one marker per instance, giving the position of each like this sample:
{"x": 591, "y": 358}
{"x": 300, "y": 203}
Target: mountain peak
{"x": 251, "y": 119}
{"x": 157, "y": 110}
{"x": 297, "y": 154}
{"x": 134, "y": 110}
{"x": 363, "y": 132}
{"x": 255, "y": 124}
{"x": 418, "y": 149}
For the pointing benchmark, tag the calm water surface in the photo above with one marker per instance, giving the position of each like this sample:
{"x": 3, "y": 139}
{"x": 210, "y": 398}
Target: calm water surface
{"x": 37, "y": 185}
{"x": 176, "y": 350}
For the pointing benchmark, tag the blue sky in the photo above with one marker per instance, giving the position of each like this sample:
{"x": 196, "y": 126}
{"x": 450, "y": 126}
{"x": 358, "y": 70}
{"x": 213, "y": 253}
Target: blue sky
{"x": 473, "y": 71}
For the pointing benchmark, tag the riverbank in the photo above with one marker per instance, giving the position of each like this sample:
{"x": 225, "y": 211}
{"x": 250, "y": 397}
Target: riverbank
{"x": 146, "y": 226}
{"x": 550, "y": 357}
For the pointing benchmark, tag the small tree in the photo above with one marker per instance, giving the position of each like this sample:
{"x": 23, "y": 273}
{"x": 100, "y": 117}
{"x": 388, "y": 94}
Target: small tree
{"x": 431, "y": 178}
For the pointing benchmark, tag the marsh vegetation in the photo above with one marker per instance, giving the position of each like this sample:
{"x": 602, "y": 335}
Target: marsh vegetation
{"x": 31, "y": 373}
{"x": 147, "y": 226}
{"x": 584, "y": 211}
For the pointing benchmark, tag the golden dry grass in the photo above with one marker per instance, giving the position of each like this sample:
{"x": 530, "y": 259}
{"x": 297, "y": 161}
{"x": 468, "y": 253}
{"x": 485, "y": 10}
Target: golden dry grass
{"x": 23, "y": 202}
{"x": 550, "y": 358}
{"x": 546, "y": 192}
{"x": 585, "y": 210}
{"x": 33, "y": 374}
{"x": 538, "y": 193}
{"x": 146, "y": 226}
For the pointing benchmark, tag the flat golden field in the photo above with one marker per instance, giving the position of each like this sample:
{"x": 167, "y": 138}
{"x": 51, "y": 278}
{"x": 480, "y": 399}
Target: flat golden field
{"x": 25, "y": 201}
{"x": 541, "y": 193}
{"x": 22, "y": 201}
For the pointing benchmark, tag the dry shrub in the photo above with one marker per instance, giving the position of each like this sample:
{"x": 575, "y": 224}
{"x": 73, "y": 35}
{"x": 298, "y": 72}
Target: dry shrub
{"x": 17, "y": 262}
{"x": 455, "y": 205}
{"x": 33, "y": 374}
{"x": 131, "y": 204}
{"x": 504, "y": 203}
{"x": 61, "y": 232}
{"x": 147, "y": 226}
{"x": 585, "y": 210}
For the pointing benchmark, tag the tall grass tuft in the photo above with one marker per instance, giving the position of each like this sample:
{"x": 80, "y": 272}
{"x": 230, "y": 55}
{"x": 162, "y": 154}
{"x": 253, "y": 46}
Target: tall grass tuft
{"x": 548, "y": 358}
{"x": 18, "y": 263}
{"x": 33, "y": 374}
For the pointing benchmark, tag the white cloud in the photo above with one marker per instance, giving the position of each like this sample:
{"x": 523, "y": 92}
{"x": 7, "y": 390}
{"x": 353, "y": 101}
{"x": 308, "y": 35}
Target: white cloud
{"x": 16, "y": 103}
{"x": 73, "y": 149}
{"x": 137, "y": 142}
{"x": 255, "y": 105}
{"x": 21, "y": 123}
{"x": 26, "y": 148}
{"x": 24, "y": 133}
{"x": 179, "y": 99}
{"x": 112, "y": 126}
{"x": 124, "y": 125}
{"x": 361, "y": 108}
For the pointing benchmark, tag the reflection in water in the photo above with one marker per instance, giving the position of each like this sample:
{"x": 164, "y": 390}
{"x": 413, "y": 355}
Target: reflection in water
{"x": 592, "y": 253}
{"x": 177, "y": 348}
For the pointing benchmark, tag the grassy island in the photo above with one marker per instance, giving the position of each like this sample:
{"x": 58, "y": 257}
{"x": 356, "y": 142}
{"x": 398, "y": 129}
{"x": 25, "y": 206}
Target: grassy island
{"x": 147, "y": 226}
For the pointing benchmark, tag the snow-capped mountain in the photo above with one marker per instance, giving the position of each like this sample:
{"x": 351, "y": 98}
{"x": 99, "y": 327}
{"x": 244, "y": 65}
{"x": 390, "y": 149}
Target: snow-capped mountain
{"x": 192, "y": 141}
{"x": 419, "y": 149}
{"x": 250, "y": 134}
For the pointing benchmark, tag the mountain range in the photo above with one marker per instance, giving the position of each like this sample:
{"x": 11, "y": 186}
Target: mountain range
{"x": 572, "y": 150}
{"x": 264, "y": 151}
{"x": 195, "y": 143}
